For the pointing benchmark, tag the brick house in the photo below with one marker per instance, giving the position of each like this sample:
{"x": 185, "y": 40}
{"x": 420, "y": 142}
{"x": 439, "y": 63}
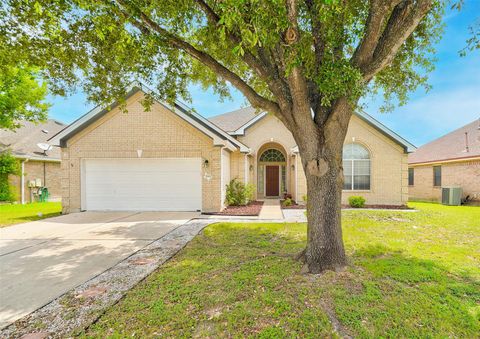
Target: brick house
{"x": 451, "y": 160}
{"x": 171, "y": 158}
{"x": 37, "y": 165}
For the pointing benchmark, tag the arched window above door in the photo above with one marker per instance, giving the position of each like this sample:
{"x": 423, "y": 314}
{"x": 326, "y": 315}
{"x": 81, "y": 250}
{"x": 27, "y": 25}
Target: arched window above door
{"x": 272, "y": 155}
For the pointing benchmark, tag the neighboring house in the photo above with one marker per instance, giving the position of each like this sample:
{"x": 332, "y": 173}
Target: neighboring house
{"x": 171, "y": 158}
{"x": 37, "y": 165}
{"x": 451, "y": 160}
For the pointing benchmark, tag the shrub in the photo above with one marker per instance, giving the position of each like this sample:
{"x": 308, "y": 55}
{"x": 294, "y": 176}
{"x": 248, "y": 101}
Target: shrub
{"x": 249, "y": 192}
{"x": 356, "y": 201}
{"x": 8, "y": 165}
{"x": 288, "y": 202}
{"x": 238, "y": 194}
{"x": 304, "y": 197}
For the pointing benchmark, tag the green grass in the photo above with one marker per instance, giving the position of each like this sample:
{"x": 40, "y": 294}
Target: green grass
{"x": 17, "y": 213}
{"x": 412, "y": 274}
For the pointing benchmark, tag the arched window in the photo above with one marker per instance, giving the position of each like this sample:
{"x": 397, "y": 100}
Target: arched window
{"x": 356, "y": 167}
{"x": 272, "y": 155}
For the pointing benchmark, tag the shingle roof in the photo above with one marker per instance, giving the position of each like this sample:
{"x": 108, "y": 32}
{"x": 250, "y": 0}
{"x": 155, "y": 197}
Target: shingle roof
{"x": 23, "y": 141}
{"x": 232, "y": 121}
{"x": 451, "y": 146}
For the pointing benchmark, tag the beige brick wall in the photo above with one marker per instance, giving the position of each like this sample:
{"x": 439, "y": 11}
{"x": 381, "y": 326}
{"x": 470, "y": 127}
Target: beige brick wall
{"x": 389, "y": 163}
{"x": 159, "y": 133}
{"x": 465, "y": 174}
{"x": 269, "y": 130}
{"x": 237, "y": 166}
{"x": 388, "y": 167}
{"x": 48, "y": 172}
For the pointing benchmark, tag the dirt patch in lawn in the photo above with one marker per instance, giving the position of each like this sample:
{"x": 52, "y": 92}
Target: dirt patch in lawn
{"x": 252, "y": 209}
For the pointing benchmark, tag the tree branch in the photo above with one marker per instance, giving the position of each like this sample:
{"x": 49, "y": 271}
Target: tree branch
{"x": 296, "y": 79}
{"x": 145, "y": 22}
{"x": 378, "y": 48}
{"x": 261, "y": 64}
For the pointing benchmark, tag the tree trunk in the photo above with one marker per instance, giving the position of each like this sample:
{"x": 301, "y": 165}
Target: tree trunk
{"x": 325, "y": 250}
{"x": 322, "y": 164}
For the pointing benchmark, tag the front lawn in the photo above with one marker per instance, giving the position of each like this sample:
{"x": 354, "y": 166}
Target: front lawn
{"x": 412, "y": 274}
{"x": 17, "y": 213}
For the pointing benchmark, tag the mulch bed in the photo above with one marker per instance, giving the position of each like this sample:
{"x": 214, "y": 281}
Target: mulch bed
{"x": 252, "y": 210}
{"x": 293, "y": 206}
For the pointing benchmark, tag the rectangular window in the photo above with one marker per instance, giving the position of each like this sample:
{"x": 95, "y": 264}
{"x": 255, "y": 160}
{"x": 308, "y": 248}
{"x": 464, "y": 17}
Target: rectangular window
{"x": 361, "y": 174}
{"x": 356, "y": 174}
{"x": 437, "y": 175}
{"x": 411, "y": 177}
{"x": 284, "y": 180}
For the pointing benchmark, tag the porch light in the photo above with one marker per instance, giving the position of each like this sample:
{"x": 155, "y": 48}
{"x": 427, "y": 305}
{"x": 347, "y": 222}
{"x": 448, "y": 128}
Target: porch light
{"x": 205, "y": 163}
{"x": 251, "y": 168}
{"x": 293, "y": 167}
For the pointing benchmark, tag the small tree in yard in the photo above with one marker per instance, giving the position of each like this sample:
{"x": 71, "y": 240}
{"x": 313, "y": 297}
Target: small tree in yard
{"x": 308, "y": 62}
{"x": 22, "y": 96}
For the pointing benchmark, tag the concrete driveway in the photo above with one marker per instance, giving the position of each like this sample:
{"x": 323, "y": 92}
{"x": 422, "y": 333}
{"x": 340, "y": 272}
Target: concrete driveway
{"x": 42, "y": 260}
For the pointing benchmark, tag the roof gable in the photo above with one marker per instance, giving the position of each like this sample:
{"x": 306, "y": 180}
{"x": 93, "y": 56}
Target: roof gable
{"x": 219, "y": 136}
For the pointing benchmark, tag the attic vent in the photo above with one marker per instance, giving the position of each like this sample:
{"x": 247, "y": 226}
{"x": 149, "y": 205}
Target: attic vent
{"x": 45, "y": 131}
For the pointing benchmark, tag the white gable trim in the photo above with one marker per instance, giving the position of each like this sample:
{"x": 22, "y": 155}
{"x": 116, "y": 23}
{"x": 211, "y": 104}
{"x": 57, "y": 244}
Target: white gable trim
{"x": 241, "y": 130}
{"x": 220, "y": 137}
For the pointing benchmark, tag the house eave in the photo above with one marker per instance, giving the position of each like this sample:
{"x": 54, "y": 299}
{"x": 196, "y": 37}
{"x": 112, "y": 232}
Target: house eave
{"x": 219, "y": 137}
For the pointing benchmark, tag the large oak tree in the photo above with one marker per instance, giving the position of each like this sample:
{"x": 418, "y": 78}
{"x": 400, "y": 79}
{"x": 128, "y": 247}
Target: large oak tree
{"x": 308, "y": 62}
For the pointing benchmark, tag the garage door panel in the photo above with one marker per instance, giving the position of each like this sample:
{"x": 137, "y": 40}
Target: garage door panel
{"x": 143, "y": 184}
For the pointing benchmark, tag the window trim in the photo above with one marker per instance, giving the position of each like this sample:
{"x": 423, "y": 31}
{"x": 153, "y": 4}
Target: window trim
{"x": 352, "y": 189}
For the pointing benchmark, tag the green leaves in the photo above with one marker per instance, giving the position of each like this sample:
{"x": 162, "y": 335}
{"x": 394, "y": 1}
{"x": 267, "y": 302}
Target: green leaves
{"x": 21, "y": 96}
{"x": 102, "y": 46}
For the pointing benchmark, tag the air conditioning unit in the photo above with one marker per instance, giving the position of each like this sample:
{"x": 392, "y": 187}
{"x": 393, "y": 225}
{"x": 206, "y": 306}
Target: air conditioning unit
{"x": 452, "y": 196}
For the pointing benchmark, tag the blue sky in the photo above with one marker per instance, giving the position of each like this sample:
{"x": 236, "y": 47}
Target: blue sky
{"x": 453, "y": 101}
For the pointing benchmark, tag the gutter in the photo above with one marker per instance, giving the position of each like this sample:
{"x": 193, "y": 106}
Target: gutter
{"x": 442, "y": 161}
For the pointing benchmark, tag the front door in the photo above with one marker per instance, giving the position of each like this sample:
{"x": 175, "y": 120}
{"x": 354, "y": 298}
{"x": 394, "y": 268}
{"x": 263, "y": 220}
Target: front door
{"x": 272, "y": 181}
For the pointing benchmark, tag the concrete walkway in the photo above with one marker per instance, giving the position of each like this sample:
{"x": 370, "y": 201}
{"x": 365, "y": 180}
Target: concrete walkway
{"x": 42, "y": 260}
{"x": 271, "y": 210}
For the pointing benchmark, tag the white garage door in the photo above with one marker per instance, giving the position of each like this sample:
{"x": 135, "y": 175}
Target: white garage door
{"x": 142, "y": 184}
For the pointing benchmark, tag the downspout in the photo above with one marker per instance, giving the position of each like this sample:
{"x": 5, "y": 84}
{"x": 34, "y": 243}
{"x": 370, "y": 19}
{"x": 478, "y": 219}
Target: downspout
{"x": 44, "y": 175}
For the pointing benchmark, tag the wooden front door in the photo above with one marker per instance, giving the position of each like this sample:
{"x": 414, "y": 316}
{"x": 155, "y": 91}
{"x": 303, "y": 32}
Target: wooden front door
{"x": 272, "y": 181}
